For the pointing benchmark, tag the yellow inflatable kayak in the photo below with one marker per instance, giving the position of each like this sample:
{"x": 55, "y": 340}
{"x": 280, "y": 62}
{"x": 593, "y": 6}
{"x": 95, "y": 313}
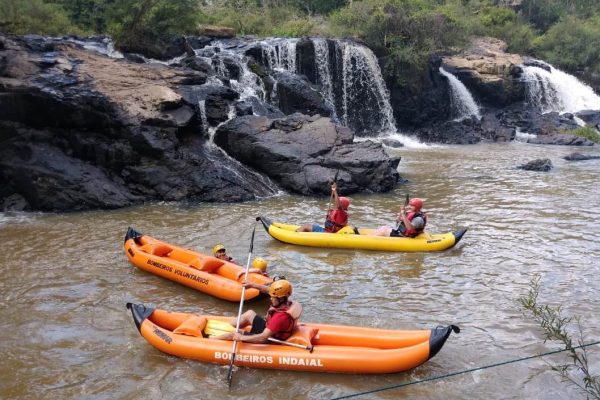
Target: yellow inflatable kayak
{"x": 313, "y": 347}
{"x": 347, "y": 238}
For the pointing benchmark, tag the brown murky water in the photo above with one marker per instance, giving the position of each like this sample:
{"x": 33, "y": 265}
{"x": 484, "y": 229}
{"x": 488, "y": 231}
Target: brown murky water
{"x": 65, "y": 280}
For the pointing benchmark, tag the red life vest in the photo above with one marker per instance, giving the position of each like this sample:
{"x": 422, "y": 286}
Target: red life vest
{"x": 292, "y": 310}
{"x": 413, "y": 232}
{"x": 336, "y": 220}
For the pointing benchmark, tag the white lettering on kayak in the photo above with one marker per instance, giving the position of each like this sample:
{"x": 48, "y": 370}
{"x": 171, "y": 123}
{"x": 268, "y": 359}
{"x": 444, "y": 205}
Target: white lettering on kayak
{"x": 311, "y": 362}
{"x": 244, "y": 358}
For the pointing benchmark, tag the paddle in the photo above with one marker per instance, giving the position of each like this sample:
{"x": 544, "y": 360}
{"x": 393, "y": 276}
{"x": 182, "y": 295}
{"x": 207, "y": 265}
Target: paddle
{"x": 217, "y": 328}
{"x": 331, "y": 182}
{"x": 239, "y": 316}
{"x": 405, "y": 204}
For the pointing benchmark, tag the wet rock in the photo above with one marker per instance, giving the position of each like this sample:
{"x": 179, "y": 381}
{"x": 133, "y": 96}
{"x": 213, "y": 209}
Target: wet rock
{"x": 307, "y": 65}
{"x": 295, "y": 94}
{"x": 590, "y": 117}
{"x": 392, "y": 143}
{"x": 581, "y": 157}
{"x": 541, "y": 165}
{"x": 301, "y": 153}
{"x": 467, "y": 131}
{"x": 563, "y": 139}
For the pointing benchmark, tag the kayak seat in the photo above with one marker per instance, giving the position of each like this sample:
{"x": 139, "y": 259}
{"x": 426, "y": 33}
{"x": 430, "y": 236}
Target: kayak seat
{"x": 206, "y": 264}
{"x": 303, "y": 335}
{"x": 193, "y": 326}
{"x": 160, "y": 250}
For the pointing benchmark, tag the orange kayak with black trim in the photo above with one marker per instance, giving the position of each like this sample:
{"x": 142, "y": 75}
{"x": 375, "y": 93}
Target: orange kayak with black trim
{"x": 202, "y": 272}
{"x": 333, "y": 348}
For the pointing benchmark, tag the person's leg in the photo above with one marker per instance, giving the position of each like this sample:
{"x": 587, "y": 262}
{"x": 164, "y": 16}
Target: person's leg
{"x": 245, "y": 320}
{"x": 382, "y": 231}
{"x": 305, "y": 228}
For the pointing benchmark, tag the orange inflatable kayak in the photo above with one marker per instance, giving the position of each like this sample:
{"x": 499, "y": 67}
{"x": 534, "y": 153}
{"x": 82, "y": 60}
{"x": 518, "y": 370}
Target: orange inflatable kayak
{"x": 205, "y": 273}
{"x": 314, "y": 347}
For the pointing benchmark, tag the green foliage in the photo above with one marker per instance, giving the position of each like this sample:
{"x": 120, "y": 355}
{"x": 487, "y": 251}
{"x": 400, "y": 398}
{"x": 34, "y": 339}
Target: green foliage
{"x": 587, "y": 132}
{"x": 555, "y": 326}
{"x": 407, "y": 32}
{"x": 572, "y": 43}
{"x": 35, "y": 16}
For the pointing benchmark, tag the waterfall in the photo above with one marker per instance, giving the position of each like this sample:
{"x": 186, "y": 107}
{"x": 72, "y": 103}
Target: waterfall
{"x": 463, "y": 104}
{"x": 362, "y": 102}
{"x": 323, "y": 68}
{"x": 280, "y": 54}
{"x": 203, "y": 120}
{"x": 558, "y": 91}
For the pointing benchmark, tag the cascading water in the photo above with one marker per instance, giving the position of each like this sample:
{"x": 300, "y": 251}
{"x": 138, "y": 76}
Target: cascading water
{"x": 558, "y": 91}
{"x": 280, "y": 54}
{"x": 323, "y": 68}
{"x": 365, "y": 100}
{"x": 463, "y": 103}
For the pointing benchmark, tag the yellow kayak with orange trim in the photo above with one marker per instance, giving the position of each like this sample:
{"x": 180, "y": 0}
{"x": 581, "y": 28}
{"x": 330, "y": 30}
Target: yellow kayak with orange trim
{"x": 202, "y": 272}
{"x": 325, "y": 348}
{"x": 349, "y": 238}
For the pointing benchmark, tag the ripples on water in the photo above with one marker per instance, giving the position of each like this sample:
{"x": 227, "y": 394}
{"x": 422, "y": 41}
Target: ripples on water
{"x": 67, "y": 334}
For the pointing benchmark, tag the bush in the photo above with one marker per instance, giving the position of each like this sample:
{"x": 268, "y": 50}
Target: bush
{"x": 586, "y": 132}
{"x": 557, "y": 327}
{"x": 21, "y": 17}
{"x": 572, "y": 44}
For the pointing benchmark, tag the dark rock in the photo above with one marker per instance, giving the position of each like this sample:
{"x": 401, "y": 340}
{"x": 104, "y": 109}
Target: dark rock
{"x": 467, "y": 131}
{"x": 563, "y": 139}
{"x": 198, "y": 64}
{"x": 301, "y": 153}
{"x": 305, "y": 60}
{"x": 590, "y": 117}
{"x": 531, "y": 62}
{"x": 581, "y": 157}
{"x": 135, "y": 58}
{"x": 258, "y": 108}
{"x": 198, "y": 42}
{"x": 295, "y": 94}
{"x": 392, "y": 143}
{"x": 541, "y": 165}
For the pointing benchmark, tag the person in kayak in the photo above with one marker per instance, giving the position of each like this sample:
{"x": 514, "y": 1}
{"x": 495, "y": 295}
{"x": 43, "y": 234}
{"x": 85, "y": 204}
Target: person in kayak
{"x": 336, "y": 218}
{"x": 220, "y": 252}
{"x": 281, "y": 319}
{"x": 411, "y": 221}
{"x": 259, "y": 266}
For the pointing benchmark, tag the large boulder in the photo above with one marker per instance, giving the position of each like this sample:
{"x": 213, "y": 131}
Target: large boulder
{"x": 301, "y": 153}
{"x": 296, "y": 94}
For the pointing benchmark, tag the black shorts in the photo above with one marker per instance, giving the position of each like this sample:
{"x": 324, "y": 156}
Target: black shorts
{"x": 395, "y": 233}
{"x": 258, "y": 326}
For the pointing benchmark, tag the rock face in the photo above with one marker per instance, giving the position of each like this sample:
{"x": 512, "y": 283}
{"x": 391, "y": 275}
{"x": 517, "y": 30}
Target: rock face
{"x": 80, "y": 131}
{"x": 488, "y": 72}
{"x": 302, "y": 153}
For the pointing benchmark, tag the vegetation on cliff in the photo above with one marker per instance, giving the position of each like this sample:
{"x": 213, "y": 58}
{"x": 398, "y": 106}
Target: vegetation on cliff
{"x": 403, "y": 32}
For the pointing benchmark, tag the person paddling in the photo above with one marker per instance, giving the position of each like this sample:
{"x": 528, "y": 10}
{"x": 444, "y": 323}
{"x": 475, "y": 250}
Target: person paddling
{"x": 336, "y": 218}
{"x": 281, "y": 319}
{"x": 411, "y": 221}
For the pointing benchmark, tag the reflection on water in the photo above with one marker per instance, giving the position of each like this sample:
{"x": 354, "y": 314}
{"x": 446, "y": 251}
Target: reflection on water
{"x": 65, "y": 281}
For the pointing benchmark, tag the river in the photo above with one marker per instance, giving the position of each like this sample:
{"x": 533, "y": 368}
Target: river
{"x": 65, "y": 282}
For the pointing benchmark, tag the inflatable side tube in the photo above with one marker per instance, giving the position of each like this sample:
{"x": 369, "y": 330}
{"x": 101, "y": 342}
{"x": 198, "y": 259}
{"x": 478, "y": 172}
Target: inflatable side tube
{"x": 132, "y": 234}
{"x": 438, "y": 338}
{"x": 140, "y": 312}
{"x": 265, "y": 221}
{"x": 459, "y": 234}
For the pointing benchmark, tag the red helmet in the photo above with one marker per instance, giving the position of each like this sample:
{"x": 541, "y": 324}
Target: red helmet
{"x": 416, "y": 203}
{"x": 344, "y": 202}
